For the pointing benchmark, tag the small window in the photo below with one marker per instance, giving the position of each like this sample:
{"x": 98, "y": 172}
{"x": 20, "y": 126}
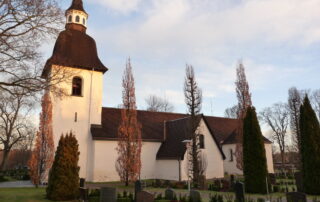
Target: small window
{"x": 77, "y": 19}
{"x": 70, "y": 18}
{"x": 231, "y": 155}
{"x": 84, "y": 21}
{"x": 77, "y": 86}
{"x": 75, "y": 117}
{"x": 201, "y": 141}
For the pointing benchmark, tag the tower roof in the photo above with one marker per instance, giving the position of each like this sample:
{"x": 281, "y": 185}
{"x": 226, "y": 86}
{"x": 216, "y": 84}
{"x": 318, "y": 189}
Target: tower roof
{"x": 75, "y": 49}
{"x": 76, "y": 5}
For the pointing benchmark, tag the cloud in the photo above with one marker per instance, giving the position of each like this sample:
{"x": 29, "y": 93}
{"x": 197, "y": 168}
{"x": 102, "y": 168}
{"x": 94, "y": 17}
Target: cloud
{"x": 121, "y": 6}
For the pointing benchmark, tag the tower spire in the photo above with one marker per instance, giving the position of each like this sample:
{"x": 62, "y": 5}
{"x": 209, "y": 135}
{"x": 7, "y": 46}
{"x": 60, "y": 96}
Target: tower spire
{"x": 77, "y": 5}
{"x": 76, "y": 16}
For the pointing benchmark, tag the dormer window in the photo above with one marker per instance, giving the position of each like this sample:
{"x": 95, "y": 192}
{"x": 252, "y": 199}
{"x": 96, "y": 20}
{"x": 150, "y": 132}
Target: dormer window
{"x": 201, "y": 141}
{"x": 77, "y": 18}
{"x": 70, "y": 18}
{"x": 76, "y": 86}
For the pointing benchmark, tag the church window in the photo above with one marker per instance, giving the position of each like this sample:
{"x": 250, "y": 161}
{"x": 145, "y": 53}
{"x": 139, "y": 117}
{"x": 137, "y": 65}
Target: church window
{"x": 70, "y": 18}
{"x": 75, "y": 117}
{"x": 231, "y": 155}
{"x": 77, "y": 18}
{"x": 84, "y": 21}
{"x": 201, "y": 141}
{"x": 76, "y": 86}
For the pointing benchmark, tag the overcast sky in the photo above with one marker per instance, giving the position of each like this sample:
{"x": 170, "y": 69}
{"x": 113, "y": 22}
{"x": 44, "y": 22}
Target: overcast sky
{"x": 277, "y": 40}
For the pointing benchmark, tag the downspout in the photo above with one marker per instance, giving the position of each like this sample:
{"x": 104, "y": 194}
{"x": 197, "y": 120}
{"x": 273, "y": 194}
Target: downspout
{"x": 179, "y": 161}
{"x": 89, "y": 126}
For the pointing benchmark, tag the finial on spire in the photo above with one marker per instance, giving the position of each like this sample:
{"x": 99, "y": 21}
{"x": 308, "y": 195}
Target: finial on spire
{"x": 77, "y": 5}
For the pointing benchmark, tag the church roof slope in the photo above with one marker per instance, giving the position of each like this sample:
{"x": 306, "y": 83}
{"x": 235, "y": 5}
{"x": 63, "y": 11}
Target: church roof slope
{"x": 74, "y": 48}
{"x": 152, "y": 124}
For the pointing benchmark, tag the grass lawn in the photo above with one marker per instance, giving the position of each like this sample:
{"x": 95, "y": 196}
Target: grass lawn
{"x": 22, "y": 194}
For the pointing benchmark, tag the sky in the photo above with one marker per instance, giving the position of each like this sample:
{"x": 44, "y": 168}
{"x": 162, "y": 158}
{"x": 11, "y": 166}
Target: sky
{"x": 278, "y": 42}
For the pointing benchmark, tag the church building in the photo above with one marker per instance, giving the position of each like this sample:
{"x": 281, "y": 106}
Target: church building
{"x": 163, "y": 154}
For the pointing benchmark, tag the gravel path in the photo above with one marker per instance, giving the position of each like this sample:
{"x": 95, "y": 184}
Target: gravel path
{"x": 14, "y": 184}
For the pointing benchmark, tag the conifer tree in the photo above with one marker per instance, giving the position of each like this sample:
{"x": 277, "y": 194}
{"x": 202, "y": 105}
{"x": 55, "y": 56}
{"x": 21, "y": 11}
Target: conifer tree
{"x": 254, "y": 154}
{"x": 64, "y": 174}
{"x": 310, "y": 148}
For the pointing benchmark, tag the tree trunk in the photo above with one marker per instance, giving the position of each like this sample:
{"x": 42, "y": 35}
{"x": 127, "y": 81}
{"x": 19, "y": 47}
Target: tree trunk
{"x": 4, "y": 159}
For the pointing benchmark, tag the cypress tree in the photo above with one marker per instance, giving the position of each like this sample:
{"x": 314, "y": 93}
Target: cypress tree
{"x": 310, "y": 148}
{"x": 64, "y": 175}
{"x": 254, "y": 154}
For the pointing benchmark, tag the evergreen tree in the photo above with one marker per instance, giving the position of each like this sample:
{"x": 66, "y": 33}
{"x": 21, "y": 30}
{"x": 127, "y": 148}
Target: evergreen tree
{"x": 310, "y": 148}
{"x": 254, "y": 154}
{"x": 64, "y": 174}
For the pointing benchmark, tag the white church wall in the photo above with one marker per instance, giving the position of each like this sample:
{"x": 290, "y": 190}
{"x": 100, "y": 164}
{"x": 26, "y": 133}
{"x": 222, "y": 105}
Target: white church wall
{"x": 167, "y": 170}
{"x": 230, "y": 167}
{"x": 214, "y": 158}
{"x": 105, "y": 157}
{"x": 64, "y": 111}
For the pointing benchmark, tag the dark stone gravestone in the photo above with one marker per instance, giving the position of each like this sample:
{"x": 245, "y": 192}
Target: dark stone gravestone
{"x": 144, "y": 196}
{"x": 137, "y": 188}
{"x": 239, "y": 191}
{"x": 108, "y": 194}
{"x": 296, "y": 197}
{"x": 195, "y": 196}
{"x": 82, "y": 182}
{"x": 299, "y": 182}
{"x": 169, "y": 194}
{"x": 232, "y": 180}
{"x": 84, "y": 196}
{"x": 272, "y": 178}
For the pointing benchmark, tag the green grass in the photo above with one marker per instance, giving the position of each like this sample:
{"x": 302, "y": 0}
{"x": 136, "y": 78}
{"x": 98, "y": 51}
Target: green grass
{"x": 23, "y": 195}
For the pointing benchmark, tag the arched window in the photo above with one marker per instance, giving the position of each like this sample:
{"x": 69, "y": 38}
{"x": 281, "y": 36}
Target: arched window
{"x": 77, "y": 86}
{"x": 84, "y": 21}
{"x": 231, "y": 155}
{"x": 70, "y": 18}
{"x": 201, "y": 141}
{"x": 77, "y": 18}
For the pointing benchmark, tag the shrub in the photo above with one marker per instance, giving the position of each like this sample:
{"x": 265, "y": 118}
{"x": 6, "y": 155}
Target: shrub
{"x": 254, "y": 154}
{"x": 64, "y": 175}
{"x": 216, "y": 198}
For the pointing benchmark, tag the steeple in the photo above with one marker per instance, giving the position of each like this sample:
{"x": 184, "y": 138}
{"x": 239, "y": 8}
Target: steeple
{"x": 76, "y": 16}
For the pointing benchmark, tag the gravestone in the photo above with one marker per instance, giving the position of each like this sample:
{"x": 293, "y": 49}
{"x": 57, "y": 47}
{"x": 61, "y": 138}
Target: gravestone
{"x": 108, "y": 194}
{"x": 299, "y": 182}
{"x": 272, "y": 178}
{"x": 239, "y": 191}
{"x": 195, "y": 196}
{"x": 232, "y": 180}
{"x": 84, "y": 196}
{"x": 296, "y": 197}
{"x": 82, "y": 182}
{"x": 137, "y": 188}
{"x": 169, "y": 194}
{"x": 144, "y": 196}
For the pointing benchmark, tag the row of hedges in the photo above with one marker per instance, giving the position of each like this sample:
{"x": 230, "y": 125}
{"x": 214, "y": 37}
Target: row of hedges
{"x": 19, "y": 174}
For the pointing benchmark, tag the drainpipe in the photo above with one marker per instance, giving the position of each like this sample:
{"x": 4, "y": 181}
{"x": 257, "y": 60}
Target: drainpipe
{"x": 89, "y": 126}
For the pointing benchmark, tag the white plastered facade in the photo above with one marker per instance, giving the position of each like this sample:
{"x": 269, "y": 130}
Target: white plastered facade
{"x": 98, "y": 157}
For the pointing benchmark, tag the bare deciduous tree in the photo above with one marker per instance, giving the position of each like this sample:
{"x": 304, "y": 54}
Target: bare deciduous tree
{"x": 24, "y": 26}
{"x": 193, "y": 99}
{"x": 277, "y": 118}
{"x": 315, "y": 100}
{"x": 294, "y": 103}
{"x": 158, "y": 104}
{"x": 15, "y": 124}
{"x": 232, "y": 112}
{"x": 244, "y": 101}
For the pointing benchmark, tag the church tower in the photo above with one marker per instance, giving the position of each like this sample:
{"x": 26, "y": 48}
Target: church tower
{"x": 75, "y": 57}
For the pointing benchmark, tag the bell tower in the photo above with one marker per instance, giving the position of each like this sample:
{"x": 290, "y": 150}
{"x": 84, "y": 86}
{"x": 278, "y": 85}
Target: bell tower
{"x": 75, "y": 55}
